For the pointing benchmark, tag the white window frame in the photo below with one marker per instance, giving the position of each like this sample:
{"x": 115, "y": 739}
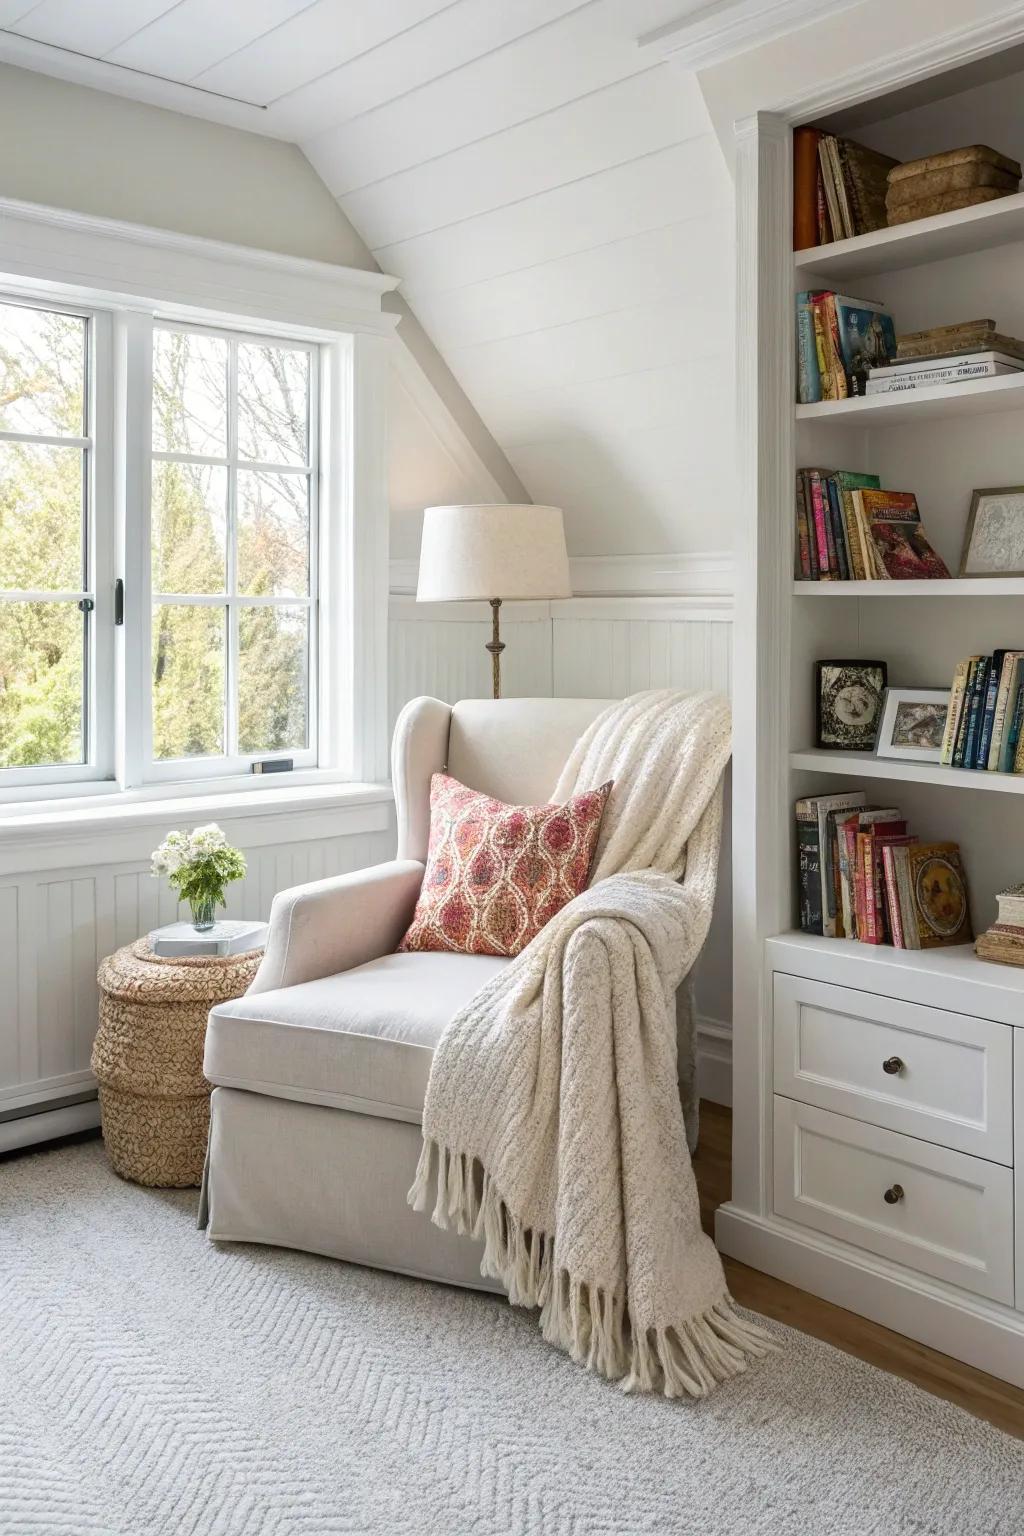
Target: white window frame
{"x": 98, "y": 651}
{"x": 231, "y": 763}
{"x": 129, "y": 279}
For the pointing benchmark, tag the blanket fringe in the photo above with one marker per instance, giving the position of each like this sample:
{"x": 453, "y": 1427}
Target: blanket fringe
{"x": 590, "y": 1323}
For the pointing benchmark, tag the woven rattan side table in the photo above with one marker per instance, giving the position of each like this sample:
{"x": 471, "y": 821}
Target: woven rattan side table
{"x": 148, "y": 1058}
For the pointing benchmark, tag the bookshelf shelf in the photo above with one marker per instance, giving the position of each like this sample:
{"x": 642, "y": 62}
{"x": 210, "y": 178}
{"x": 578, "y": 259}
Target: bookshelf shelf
{"x": 977, "y": 397}
{"x": 856, "y": 764}
{"x": 911, "y": 245}
{"x": 965, "y": 586}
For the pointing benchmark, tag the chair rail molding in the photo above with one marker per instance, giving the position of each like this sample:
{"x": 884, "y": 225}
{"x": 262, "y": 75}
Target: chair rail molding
{"x": 699, "y": 575}
{"x": 725, "y": 28}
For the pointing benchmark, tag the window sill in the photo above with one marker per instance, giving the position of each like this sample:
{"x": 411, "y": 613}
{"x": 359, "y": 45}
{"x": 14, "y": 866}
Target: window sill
{"x": 126, "y": 810}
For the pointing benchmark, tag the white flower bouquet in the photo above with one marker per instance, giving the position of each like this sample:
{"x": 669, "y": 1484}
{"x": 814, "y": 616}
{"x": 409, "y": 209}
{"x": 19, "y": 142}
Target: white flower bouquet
{"x": 199, "y": 864}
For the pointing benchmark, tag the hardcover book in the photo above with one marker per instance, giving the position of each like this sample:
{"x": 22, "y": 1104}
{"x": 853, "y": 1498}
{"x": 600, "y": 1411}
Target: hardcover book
{"x": 939, "y": 890}
{"x": 894, "y": 525}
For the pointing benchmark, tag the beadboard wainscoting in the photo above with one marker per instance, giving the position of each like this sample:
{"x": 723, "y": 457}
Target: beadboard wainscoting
{"x": 66, "y": 902}
{"x": 639, "y": 622}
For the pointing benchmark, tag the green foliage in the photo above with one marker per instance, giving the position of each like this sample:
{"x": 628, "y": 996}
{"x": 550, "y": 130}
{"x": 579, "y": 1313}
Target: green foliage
{"x": 199, "y": 864}
{"x": 41, "y": 539}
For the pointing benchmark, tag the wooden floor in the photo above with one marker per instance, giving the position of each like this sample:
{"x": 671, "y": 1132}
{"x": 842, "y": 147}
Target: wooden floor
{"x": 984, "y": 1396}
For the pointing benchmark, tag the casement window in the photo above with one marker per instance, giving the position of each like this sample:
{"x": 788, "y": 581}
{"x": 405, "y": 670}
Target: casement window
{"x": 227, "y": 618}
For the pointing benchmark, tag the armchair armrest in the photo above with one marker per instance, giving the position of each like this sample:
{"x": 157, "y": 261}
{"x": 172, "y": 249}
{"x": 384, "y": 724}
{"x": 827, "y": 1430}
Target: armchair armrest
{"x": 332, "y": 925}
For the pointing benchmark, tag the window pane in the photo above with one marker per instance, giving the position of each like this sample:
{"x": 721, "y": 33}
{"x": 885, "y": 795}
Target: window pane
{"x": 273, "y": 534}
{"x": 42, "y": 684}
{"x": 273, "y": 404}
{"x": 190, "y": 393}
{"x": 188, "y": 680}
{"x": 189, "y": 527}
{"x": 40, "y": 518}
{"x": 273, "y": 666}
{"x": 42, "y": 372}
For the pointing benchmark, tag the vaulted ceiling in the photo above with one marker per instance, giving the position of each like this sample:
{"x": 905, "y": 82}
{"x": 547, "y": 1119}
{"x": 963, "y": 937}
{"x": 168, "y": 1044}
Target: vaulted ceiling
{"x": 550, "y": 194}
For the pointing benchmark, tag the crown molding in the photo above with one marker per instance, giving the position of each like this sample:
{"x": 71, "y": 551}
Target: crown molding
{"x": 889, "y": 71}
{"x": 725, "y": 28}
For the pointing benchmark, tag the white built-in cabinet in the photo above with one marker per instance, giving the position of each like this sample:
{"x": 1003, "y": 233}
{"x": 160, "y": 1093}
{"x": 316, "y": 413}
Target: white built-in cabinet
{"x": 878, "y": 1094}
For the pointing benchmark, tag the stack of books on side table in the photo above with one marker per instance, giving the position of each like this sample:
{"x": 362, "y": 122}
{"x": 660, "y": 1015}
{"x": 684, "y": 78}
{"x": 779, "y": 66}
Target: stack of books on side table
{"x": 1004, "y": 941}
{"x": 863, "y": 875}
{"x": 224, "y": 938}
{"x": 948, "y": 354}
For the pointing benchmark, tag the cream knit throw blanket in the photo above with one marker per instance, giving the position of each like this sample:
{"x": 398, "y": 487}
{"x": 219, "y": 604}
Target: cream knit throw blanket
{"x": 552, "y": 1125}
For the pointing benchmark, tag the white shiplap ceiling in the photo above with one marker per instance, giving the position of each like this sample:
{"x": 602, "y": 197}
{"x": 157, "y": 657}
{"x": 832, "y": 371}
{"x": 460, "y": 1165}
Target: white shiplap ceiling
{"x": 551, "y": 196}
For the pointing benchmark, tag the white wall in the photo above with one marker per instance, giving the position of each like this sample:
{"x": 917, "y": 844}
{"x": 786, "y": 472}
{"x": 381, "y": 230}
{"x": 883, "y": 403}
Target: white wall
{"x": 71, "y": 147}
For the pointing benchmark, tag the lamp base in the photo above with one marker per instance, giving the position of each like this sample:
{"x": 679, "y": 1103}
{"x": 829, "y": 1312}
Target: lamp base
{"x": 495, "y": 645}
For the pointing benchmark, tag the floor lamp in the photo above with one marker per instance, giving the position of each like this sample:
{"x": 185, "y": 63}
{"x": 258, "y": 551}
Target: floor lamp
{"x": 489, "y": 553}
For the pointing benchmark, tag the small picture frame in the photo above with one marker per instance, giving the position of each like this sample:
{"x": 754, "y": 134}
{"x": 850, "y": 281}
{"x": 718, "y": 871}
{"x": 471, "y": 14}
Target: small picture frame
{"x": 848, "y": 704}
{"x": 913, "y": 724}
{"x": 994, "y": 540}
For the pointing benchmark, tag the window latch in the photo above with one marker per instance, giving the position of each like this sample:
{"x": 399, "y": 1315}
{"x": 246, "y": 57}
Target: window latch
{"x": 118, "y": 601}
{"x": 86, "y": 605}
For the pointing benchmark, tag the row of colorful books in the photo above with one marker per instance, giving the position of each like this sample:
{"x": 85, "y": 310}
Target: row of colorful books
{"x": 985, "y": 719}
{"x": 863, "y": 875}
{"x": 1004, "y": 941}
{"x": 839, "y": 188}
{"x": 948, "y": 354}
{"x": 839, "y": 340}
{"x": 849, "y": 529}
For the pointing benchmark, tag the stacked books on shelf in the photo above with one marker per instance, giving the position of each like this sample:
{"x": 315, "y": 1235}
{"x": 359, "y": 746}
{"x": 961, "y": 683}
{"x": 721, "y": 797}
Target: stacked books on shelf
{"x": 839, "y": 340}
{"x": 957, "y": 178}
{"x": 1004, "y": 941}
{"x": 839, "y": 188}
{"x": 947, "y": 354}
{"x": 849, "y": 529}
{"x": 986, "y": 713}
{"x": 863, "y": 875}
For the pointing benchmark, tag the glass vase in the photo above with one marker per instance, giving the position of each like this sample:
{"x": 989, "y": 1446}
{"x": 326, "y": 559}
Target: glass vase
{"x": 204, "y": 914}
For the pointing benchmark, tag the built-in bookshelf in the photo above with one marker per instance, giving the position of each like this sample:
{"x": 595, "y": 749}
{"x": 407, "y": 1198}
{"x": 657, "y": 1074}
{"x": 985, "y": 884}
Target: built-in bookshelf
{"x": 840, "y": 998}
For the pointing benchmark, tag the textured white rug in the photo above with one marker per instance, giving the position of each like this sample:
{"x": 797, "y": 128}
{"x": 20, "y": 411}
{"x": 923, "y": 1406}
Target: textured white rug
{"x": 152, "y": 1384}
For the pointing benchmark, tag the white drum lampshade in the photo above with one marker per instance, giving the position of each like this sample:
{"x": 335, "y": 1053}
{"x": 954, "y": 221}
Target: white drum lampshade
{"x": 490, "y": 552}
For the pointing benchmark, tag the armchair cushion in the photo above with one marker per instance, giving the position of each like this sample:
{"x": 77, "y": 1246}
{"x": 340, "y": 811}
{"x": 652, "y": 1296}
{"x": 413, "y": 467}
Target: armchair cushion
{"x": 497, "y": 873}
{"x": 362, "y": 1040}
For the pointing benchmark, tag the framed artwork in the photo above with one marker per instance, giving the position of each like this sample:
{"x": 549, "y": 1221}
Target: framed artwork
{"x": 994, "y": 541}
{"x": 848, "y": 704}
{"x": 913, "y": 724}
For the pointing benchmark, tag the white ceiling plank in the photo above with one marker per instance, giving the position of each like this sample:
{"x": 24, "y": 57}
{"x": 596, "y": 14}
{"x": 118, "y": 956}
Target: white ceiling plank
{"x": 92, "y": 28}
{"x": 658, "y": 264}
{"x": 316, "y": 40}
{"x": 695, "y": 395}
{"x": 463, "y": 73}
{"x": 660, "y": 189}
{"x": 15, "y": 10}
{"x": 198, "y": 33}
{"x": 635, "y": 117}
{"x": 646, "y": 336}
{"x": 657, "y": 494}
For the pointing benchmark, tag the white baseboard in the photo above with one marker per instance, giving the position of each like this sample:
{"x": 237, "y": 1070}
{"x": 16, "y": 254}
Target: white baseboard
{"x": 981, "y": 1333}
{"x": 714, "y": 1061}
{"x": 29, "y": 1130}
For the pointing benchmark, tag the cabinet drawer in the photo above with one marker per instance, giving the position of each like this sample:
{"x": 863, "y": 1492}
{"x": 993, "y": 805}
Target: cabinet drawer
{"x": 945, "y": 1077}
{"x": 946, "y": 1215}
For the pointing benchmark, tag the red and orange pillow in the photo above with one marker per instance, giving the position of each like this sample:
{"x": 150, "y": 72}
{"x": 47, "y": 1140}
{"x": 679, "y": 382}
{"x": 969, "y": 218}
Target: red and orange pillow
{"x": 497, "y": 873}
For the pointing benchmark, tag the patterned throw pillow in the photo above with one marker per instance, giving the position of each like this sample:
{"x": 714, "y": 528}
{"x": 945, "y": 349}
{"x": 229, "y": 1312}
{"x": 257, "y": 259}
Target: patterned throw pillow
{"x": 496, "y": 873}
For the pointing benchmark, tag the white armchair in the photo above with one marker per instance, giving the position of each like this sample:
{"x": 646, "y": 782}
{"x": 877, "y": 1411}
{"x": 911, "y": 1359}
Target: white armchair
{"x": 321, "y": 1069}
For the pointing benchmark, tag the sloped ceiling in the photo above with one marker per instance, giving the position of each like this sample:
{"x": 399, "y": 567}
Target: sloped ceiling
{"x": 553, "y": 200}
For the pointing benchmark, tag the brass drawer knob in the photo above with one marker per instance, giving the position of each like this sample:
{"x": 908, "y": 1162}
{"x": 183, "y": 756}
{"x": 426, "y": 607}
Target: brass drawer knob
{"x": 893, "y": 1195}
{"x": 893, "y": 1065}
